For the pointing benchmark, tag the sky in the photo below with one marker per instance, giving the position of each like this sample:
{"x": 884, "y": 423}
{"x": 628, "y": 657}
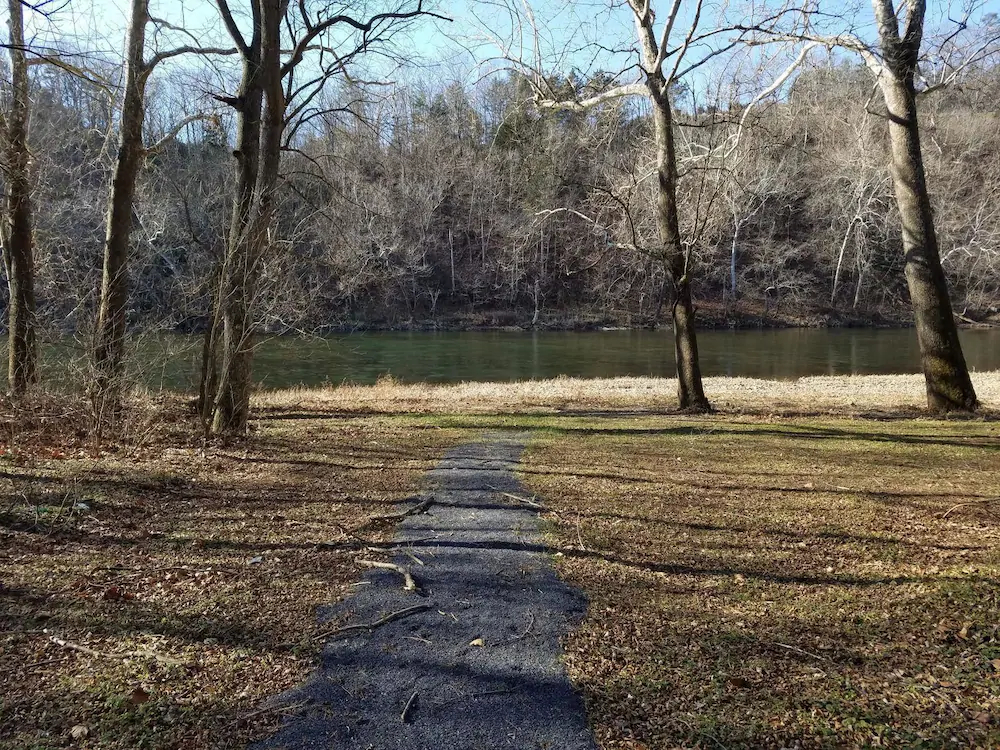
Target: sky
{"x": 573, "y": 34}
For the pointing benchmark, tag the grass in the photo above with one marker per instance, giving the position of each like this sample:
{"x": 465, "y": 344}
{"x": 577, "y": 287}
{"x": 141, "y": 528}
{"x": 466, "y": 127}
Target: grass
{"x": 780, "y": 582}
{"x": 859, "y": 395}
{"x": 788, "y": 573}
{"x": 152, "y": 594}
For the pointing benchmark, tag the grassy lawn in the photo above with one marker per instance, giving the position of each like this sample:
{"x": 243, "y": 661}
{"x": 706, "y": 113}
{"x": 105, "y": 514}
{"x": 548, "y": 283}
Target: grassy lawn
{"x": 761, "y": 582}
{"x": 152, "y": 592}
{"x": 754, "y": 580}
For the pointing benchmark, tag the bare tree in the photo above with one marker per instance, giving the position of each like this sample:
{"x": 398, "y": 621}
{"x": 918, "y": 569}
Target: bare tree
{"x": 17, "y": 232}
{"x": 276, "y": 89}
{"x": 109, "y": 336}
{"x": 663, "y": 62}
{"x": 895, "y": 61}
{"x": 949, "y": 387}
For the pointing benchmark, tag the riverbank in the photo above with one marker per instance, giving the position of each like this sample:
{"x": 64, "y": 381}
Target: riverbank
{"x": 853, "y": 395}
{"x": 711, "y": 315}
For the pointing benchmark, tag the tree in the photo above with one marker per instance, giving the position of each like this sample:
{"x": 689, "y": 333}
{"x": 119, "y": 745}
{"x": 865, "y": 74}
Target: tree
{"x": 895, "y": 60}
{"x": 269, "y": 99}
{"x": 17, "y": 233}
{"x": 949, "y": 387}
{"x": 109, "y": 336}
{"x": 660, "y": 71}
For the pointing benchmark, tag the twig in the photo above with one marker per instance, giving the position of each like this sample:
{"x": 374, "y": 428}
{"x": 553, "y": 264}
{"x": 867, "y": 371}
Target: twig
{"x": 985, "y": 501}
{"x": 515, "y": 639}
{"x": 413, "y": 510}
{"x": 110, "y": 655}
{"x": 41, "y": 663}
{"x": 408, "y": 583}
{"x": 798, "y": 650}
{"x": 369, "y": 627}
{"x": 413, "y": 557}
{"x": 268, "y": 710}
{"x": 405, "y": 716}
{"x": 531, "y": 503}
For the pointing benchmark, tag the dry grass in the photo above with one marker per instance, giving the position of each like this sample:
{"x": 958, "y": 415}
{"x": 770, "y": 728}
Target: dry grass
{"x": 842, "y": 394}
{"x": 780, "y": 583}
{"x": 189, "y": 579}
{"x": 755, "y": 581}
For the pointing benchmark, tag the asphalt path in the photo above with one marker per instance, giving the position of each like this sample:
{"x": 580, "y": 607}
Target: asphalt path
{"x": 472, "y": 660}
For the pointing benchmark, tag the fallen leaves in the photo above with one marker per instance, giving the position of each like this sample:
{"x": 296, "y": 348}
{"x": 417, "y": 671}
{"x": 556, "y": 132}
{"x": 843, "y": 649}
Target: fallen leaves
{"x": 771, "y": 616}
{"x": 166, "y": 633}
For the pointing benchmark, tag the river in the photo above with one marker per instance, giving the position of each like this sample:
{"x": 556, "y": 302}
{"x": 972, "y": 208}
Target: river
{"x": 171, "y": 360}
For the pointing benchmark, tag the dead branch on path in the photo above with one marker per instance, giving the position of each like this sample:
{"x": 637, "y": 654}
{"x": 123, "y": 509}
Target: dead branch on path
{"x": 369, "y": 627}
{"x": 530, "y": 502}
{"x": 408, "y": 583}
{"x": 413, "y": 510}
{"x": 405, "y": 716}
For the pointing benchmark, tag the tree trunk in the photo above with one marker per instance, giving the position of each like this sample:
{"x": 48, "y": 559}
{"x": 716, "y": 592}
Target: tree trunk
{"x": 690, "y": 392}
{"x": 109, "y": 338}
{"x": 949, "y": 387}
{"x": 259, "y": 154}
{"x": 18, "y": 244}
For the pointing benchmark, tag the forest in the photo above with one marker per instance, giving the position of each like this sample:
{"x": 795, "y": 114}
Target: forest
{"x": 449, "y": 203}
{"x": 507, "y": 195}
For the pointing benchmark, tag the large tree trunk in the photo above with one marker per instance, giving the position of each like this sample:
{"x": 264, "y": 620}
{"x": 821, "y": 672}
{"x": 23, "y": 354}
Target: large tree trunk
{"x": 18, "y": 244}
{"x": 109, "y": 338}
{"x": 949, "y": 387}
{"x": 249, "y": 236}
{"x": 690, "y": 392}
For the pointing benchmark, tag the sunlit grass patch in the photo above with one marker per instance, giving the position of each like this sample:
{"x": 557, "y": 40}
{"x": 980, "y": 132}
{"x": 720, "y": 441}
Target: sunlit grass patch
{"x": 780, "y": 583}
{"x": 839, "y": 394}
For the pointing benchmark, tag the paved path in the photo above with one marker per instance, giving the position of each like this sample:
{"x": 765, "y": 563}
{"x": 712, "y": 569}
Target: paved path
{"x": 486, "y": 579}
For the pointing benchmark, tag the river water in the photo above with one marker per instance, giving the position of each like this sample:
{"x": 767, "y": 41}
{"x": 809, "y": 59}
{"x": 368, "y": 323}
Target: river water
{"x": 171, "y": 361}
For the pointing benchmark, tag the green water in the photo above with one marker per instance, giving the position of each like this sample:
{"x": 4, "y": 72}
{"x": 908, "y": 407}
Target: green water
{"x": 172, "y": 360}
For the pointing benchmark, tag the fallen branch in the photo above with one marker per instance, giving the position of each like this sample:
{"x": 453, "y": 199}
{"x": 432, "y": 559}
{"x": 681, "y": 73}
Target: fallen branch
{"x": 111, "y": 655}
{"x": 408, "y": 583}
{"x": 369, "y": 627}
{"x": 413, "y": 510}
{"x": 531, "y": 503}
{"x": 413, "y": 557}
{"x": 798, "y": 650}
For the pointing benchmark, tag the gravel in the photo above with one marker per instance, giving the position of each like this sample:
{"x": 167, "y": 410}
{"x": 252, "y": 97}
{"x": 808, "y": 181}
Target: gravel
{"x": 480, "y": 667}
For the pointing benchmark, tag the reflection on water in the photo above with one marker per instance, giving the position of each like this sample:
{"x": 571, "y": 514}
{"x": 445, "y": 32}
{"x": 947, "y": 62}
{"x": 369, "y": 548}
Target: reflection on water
{"x": 171, "y": 360}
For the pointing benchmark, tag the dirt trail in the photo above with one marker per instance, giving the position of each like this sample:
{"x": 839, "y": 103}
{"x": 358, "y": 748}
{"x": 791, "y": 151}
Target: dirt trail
{"x": 485, "y": 580}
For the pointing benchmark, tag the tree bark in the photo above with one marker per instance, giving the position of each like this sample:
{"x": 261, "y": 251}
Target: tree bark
{"x": 109, "y": 339}
{"x": 690, "y": 392}
{"x": 949, "y": 387}
{"x": 261, "y": 114}
{"x": 18, "y": 240}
